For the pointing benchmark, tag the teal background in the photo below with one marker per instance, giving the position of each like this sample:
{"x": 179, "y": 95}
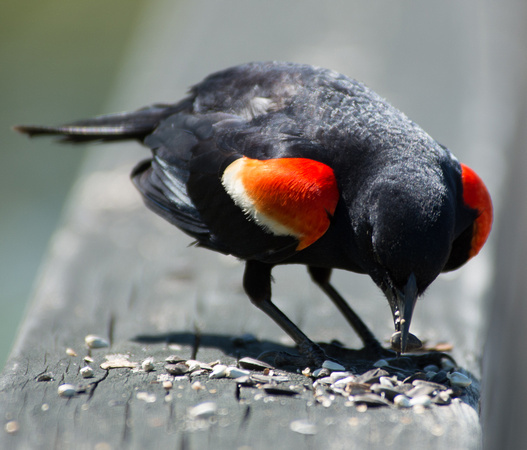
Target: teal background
{"x": 58, "y": 62}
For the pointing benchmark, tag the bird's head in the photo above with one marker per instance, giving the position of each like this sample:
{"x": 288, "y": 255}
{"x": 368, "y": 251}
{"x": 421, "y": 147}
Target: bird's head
{"x": 418, "y": 219}
{"x": 410, "y": 246}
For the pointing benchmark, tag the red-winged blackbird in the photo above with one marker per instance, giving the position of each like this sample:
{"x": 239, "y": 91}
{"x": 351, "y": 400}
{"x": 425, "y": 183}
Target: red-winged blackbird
{"x": 279, "y": 163}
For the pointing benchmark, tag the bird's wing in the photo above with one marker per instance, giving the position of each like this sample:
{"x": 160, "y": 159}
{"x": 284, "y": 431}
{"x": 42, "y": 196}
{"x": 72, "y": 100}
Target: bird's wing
{"x": 254, "y": 209}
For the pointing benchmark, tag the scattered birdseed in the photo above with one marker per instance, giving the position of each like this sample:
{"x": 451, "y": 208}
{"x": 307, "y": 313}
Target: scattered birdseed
{"x": 176, "y": 369}
{"x": 214, "y": 363}
{"x": 269, "y": 378}
{"x": 118, "y": 361}
{"x": 421, "y": 390}
{"x": 320, "y": 373}
{"x": 442, "y": 398}
{"x": 71, "y": 352}
{"x": 167, "y": 385}
{"x": 218, "y": 371}
{"x": 388, "y": 392}
{"x": 459, "y": 379}
{"x": 325, "y": 380}
{"x": 303, "y": 426}
{"x": 437, "y": 386}
{"x": 401, "y": 401}
{"x": 146, "y": 397}
{"x": 88, "y": 359}
{"x": 193, "y": 365}
{"x": 254, "y": 364}
{"x": 370, "y": 400}
{"x": 333, "y": 366}
{"x": 234, "y": 372}
{"x": 93, "y": 341}
{"x": 381, "y": 363}
{"x": 335, "y": 376}
{"x": 12, "y": 427}
{"x": 372, "y": 376}
{"x": 148, "y": 364}
{"x": 421, "y": 400}
{"x": 413, "y": 342}
{"x": 385, "y": 381}
{"x": 45, "y": 377}
{"x": 343, "y": 382}
{"x": 203, "y": 410}
{"x": 174, "y": 359}
{"x": 67, "y": 390}
{"x": 86, "y": 372}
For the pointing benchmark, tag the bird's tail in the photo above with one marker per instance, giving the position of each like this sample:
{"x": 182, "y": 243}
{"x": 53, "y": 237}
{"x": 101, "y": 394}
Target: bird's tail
{"x": 110, "y": 127}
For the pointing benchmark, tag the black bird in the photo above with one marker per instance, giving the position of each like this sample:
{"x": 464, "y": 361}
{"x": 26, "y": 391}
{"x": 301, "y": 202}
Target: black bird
{"x": 280, "y": 163}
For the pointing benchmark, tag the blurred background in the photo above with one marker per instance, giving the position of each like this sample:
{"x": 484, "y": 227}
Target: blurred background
{"x": 455, "y": 67}
{"x": 58, "y": 62}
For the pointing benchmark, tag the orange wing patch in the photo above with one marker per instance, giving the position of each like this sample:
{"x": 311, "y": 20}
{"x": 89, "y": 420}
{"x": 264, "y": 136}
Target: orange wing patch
{"x": 286, "y": 196}
{"x": 476, "y": 196}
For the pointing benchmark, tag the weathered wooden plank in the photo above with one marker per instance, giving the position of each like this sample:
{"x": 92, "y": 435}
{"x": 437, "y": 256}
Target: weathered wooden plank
{"x": 111, "y": 273}
{"x": 118, "y": 271}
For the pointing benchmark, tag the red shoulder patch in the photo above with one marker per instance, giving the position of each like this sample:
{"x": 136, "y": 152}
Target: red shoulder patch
{"x": 476, "y": 196}
{"x": 286, "y": 196}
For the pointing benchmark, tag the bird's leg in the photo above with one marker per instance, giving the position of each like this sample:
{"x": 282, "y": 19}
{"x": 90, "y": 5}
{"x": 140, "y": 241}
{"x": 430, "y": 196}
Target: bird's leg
{"x": 321, "y": 277}
{"x": 257, "y": 285}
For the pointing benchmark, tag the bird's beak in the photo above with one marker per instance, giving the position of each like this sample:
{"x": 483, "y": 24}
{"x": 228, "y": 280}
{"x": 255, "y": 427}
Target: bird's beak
{"x": 403, "y": 309}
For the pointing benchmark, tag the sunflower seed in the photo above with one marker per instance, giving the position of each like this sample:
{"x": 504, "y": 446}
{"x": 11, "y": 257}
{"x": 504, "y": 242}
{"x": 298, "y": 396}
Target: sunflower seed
{"x": 421, "y": 400}
{"x": 401, "y": 401}
{"x": 458, "y": 379}
{"x": 174, "y": 359}
{"x": 93, "y": 341}
{"x": 333, "y": 366}
{"x": 218, "y": 371}
{"x": 420, "y": 391}
{"x": 413, "y": 342}
{"x": 203, "y": 410}
{"x": 381, "y": 363}
{"x": 437, "y": 386}
{"x": 369, "y": 399}
{"x": 86, "y": 372}
{"x": 176, "y": 369}
{"x": 148, "y": 364}
{"x": 372, "y": 376}
{"x": 335, "y": 376}
{"x": 303, "y": 427}
{"x": 442, "y": 398}
{"x": 234, "y": 372}
{"x": 253, "y": 364}
{"x": 67, "y": 390}
{"x": 388, "y": 392}
{"x": 45, "y": 377}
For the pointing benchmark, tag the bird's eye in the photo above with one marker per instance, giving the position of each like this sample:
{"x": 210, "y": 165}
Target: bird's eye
{"x": 477, "y": 197}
